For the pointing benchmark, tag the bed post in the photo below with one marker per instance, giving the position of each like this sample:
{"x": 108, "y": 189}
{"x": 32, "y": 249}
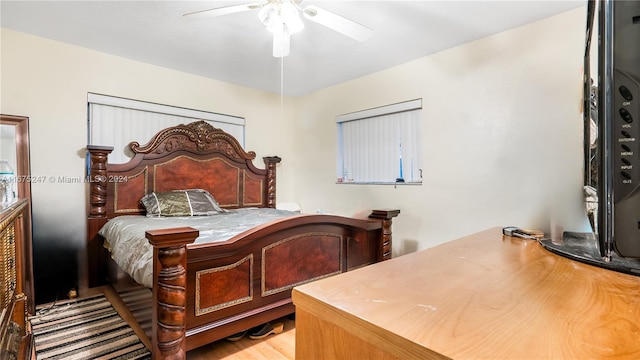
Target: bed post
{"x": 98, "y": 180}
{"x": 387, "y": 220}
{"x": 97, "y": 217}
{"x": 270, "y": 162}
{"x": 169, "y": 321}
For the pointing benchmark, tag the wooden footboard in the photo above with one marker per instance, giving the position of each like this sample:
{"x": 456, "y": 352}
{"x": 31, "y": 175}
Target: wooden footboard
{"x": 207, "y": 292}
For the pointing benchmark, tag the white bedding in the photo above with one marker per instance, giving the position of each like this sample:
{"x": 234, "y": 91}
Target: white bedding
{"x": 125, "y": 235}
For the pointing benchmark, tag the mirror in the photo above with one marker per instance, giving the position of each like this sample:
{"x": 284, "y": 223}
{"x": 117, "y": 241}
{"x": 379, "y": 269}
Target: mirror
{"x": 7, "y": 163}
{"x": 14, "y": 147}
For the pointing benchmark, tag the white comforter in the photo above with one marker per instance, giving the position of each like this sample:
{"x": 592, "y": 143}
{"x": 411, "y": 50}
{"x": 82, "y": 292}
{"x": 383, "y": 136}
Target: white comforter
{"x": 125, "y": 235}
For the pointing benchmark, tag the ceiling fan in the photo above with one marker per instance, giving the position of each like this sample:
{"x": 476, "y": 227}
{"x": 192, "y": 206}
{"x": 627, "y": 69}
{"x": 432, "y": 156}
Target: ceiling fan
{"x": 282, "y": 18}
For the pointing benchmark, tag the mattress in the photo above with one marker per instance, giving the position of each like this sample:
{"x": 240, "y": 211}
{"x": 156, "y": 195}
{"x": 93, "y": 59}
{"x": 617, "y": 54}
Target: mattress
{"x": 125, "y": 235}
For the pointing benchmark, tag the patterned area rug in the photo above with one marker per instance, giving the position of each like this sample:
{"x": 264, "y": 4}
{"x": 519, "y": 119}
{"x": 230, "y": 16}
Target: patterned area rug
{"x": 84, "y": 329}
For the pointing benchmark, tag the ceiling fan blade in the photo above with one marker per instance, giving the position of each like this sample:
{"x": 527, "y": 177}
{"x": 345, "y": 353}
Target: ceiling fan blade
{"x": 338, "y": 23}
{"x": 225, "y": 10}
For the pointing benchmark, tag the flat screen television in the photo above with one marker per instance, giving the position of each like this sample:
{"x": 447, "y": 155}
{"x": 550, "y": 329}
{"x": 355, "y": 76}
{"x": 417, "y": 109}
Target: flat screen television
{"x": 611, "y": 107}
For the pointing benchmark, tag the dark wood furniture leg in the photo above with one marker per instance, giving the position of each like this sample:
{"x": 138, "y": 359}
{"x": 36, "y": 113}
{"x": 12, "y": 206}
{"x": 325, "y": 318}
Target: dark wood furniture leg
{"x": 169, "y": 296}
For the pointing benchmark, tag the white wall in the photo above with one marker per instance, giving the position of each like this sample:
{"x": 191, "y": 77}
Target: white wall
{"x": 502, "y": 137}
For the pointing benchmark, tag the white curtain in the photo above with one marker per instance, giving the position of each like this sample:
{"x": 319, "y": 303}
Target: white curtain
{"x": 382, "y": 147}
{"x": 116, "y": 122}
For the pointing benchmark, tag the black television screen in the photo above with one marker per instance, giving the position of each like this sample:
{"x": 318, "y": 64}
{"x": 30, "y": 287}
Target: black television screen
{"x": 619, "y": 128}
{"x": 611, "y": 109}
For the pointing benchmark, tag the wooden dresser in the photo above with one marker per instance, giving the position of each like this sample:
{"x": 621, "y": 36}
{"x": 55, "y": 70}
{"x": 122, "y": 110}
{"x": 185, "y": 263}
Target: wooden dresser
{"x": 485, "y": 296}
{"x": 16, "y": 281}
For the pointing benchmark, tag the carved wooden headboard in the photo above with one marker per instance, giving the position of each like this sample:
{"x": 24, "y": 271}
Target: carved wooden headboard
{"x": 191, "y": 156}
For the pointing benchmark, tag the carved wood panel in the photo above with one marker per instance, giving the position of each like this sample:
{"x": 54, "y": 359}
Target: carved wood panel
{"x": 320, "y": 256}
{"x": 219, "y": 177}
{"x": 221, "y": 287}
{"x": 253, "y": 190}
{"x": 129, "y": 190}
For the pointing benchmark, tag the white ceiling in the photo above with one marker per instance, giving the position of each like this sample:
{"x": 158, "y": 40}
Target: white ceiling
{"x": 236, "y": 48}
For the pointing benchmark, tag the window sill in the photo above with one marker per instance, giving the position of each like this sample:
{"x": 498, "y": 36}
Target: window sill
{"x": 378, "y": 183}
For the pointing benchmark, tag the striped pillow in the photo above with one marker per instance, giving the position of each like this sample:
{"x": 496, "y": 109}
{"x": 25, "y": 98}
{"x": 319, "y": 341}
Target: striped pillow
{"x": 193, "y": 202}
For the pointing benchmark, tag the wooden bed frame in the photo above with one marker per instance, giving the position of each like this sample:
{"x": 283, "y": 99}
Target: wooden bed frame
{"x": 206, "y": 292}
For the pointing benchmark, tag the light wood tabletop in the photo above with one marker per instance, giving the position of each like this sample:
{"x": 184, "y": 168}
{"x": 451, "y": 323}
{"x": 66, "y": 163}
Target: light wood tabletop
{"x": 485, "y": 296}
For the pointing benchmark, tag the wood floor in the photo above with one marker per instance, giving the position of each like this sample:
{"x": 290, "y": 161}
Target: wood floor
{"x": 273, "y": 347}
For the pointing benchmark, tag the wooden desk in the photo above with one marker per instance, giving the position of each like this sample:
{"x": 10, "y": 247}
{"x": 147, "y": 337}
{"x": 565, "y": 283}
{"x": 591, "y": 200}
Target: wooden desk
{"x": 484, "y": 296}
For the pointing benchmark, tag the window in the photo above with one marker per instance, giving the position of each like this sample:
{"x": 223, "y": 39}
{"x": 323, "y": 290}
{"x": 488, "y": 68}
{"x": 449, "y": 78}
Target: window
{"x": 116, "y": 122}
{"x": 381, "y": 145}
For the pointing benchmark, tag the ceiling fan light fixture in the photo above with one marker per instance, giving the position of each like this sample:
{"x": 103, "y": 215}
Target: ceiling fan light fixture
{"x": 281, "y": 41}
{"x": 269, "y": 16}
{"x": 274, "y": 14}
{"x": 291, "y": 17}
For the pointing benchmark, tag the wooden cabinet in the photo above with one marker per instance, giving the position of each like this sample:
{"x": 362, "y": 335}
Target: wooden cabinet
{"x": 16, "y": 280}
{"x": 485, "y": 296}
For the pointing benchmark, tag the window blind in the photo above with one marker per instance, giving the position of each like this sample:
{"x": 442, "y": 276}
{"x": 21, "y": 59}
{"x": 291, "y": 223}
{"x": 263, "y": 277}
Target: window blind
{"x": 114, "y": 121}
{"x": 381, "y": 145}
